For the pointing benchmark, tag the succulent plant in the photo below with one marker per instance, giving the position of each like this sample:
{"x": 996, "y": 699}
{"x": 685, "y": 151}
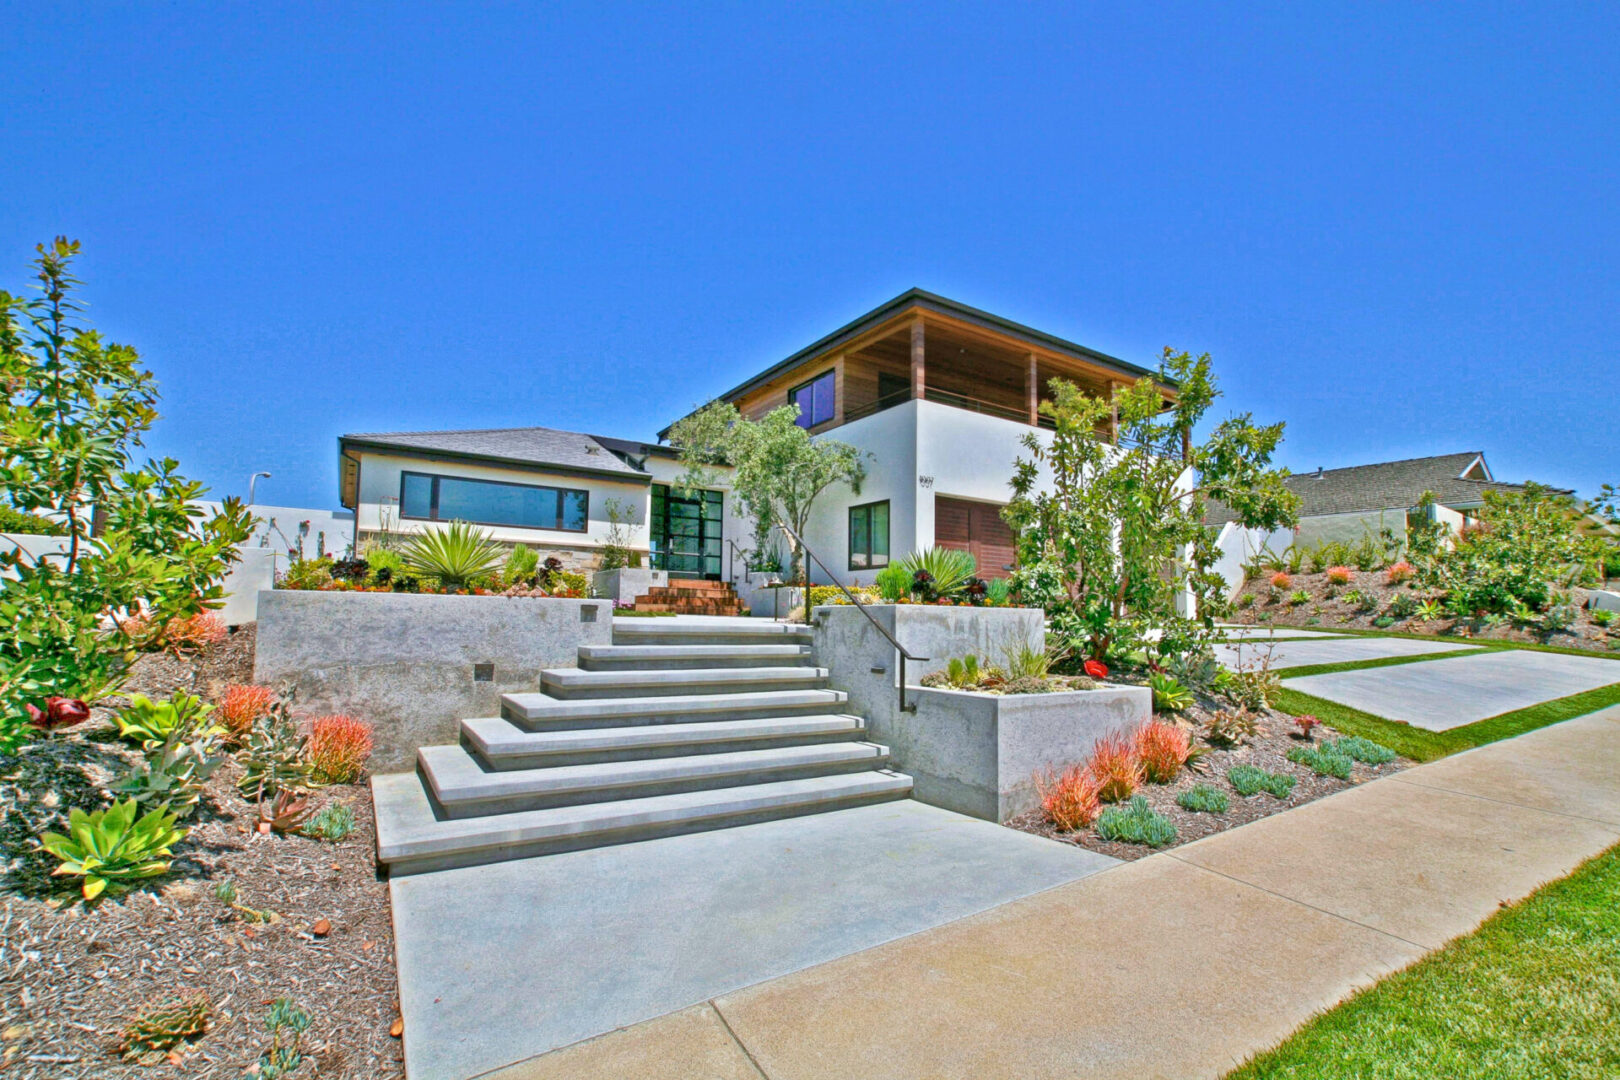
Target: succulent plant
{"x": 182, "y": 718}
{"x": 111, "y": 847}
{"x": 272, "y": 756}
{"x": 173, "y": 774}
{"x": 165, "y": 1025}
{"x": 285, "y": 813}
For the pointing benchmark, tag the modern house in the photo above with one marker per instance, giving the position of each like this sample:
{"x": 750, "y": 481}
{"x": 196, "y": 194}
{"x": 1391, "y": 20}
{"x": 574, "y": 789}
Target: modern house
{"x": 938, "y": 395}
{"x": 1361, "y": 500}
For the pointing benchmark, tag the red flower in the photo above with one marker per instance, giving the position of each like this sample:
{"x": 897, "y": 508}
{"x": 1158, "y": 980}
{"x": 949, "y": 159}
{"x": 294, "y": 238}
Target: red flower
{"x": 1096, "y": 669}
{"x": 59, "y": 712}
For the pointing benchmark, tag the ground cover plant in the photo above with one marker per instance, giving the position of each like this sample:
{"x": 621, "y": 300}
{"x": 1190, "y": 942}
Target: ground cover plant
{"x": 1534, "y": 992}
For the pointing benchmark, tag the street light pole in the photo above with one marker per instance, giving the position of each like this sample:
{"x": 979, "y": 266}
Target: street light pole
{"x": 252, "y": 480}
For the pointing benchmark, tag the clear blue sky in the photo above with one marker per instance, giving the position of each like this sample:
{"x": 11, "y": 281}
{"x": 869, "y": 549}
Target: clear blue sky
{"x": 1394, "y": 227}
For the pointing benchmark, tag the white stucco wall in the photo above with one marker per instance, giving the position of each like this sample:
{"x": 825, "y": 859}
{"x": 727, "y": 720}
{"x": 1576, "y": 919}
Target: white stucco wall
{"x": 889, "y": 439}
{"x": 1351, "y": 528}
{"x": 276, "y": 528}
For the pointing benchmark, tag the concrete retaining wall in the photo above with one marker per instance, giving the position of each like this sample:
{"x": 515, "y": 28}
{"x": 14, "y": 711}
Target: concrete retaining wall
{"x": 978, "y": 753}
{"x": 624, "y": 585}
{"x": 412, "y": 665}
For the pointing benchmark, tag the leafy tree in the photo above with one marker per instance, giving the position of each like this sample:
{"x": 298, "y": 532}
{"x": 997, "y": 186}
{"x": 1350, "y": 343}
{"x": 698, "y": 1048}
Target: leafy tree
{"x": 73, "y": 411}
{"x": 1110, "y": 535}
{"x": 780, "y": 470}
{"x": 1526, "y": 543}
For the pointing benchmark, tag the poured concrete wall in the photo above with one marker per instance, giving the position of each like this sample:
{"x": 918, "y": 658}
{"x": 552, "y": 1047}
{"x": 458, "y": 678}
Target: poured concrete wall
{"x": 408, "y": 663}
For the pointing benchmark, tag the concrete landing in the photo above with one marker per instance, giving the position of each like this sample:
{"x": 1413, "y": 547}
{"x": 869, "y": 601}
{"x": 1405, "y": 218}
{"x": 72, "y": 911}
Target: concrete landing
{"x": 503, "y": 962}
{"x": 1287, "y": 654}
{"x": 1463, "y": 690}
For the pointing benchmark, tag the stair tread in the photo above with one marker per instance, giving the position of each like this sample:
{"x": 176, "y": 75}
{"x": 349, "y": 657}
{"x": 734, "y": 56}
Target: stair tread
{"x": 538, "y": 706}
{"x": 495, "y": 737}
{"x": 408, "y": 828}
{"x": 694, "y": 651}
{"x": 630, "y": 626}
{"x": 580, "y": 677}
{"x": 455, "y": 776}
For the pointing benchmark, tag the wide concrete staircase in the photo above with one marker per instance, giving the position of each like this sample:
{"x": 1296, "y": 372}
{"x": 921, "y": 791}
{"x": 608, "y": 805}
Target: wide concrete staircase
{"x": 673, "y": 728}
{"x": 687, "y": 596}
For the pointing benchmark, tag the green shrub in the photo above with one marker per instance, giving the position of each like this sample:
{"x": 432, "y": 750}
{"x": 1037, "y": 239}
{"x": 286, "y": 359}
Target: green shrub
{"x": 1298, "y": 597}
{"x": 1403, "y": 605}
{"x": 1203, "y": 799}
{"x": 1383, "y": 622}
{"x": 272, "y": 756}
{"x": 1246, "y": 600}
{"x": 111, "y": 848}
{"x": 1321, "y": 760}
{"x": 334, "y": 822}
{"x": 938, "y": 572}
{"x": 521, "y": 566}
{"x": 307, "y": 574}
{"x": 998, "y": 592}
{"x": 1249, "y": 780}
{"x": 1136, "y": 823}
{"x": 13, "y": 520}
{"x": 385, "y": 566}
{"x": 457, "y": 555}
{"x": 1028, "y": 684}
{"x": 1359, "y": 749}
{"x": 183, "y": 718}
{"x": 893, "y": 584}
{"x": 1601, "y": 616}
{"x": 1168, "y": 694}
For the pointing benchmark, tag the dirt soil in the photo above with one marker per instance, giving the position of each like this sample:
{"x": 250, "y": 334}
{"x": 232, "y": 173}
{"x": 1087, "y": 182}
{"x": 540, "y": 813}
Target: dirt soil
{"x": 72, "y": 976}
{"x": 1259, "y": 604}
{"x": 1267, "y": 750}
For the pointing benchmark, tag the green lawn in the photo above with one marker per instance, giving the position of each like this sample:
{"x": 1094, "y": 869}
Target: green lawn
{"x": 1533, "y": 994}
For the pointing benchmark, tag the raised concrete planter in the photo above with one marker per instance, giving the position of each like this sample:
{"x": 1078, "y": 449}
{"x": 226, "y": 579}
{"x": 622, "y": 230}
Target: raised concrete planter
{"x": 978, "y": 753}
{"x": 970, "y": 752}
{"x": 1604, "y": 599}
{"x": 413, "y": 665}
{"x": 624, "y": 585}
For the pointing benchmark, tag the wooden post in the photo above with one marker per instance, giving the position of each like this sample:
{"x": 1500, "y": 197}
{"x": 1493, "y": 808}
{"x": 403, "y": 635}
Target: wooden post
{"x": 1186, "y": 446}
{"x": 918, "y": 375}
{"x": 1032, "y": 384}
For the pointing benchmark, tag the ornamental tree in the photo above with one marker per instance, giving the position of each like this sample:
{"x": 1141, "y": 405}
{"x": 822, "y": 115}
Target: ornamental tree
{"x": 1526, "y": 544}
{"x": 132, "y": 541}
{"x": 1110, "y": 535}
{"x": 779, "y": 470}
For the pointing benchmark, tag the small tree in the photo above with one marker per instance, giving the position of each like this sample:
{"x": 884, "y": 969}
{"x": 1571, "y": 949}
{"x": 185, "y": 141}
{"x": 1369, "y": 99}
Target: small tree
{"x": 73, "y": 410}
{"x": 1526, "y": 544}
{"x": 616, "y": 544}
{"x": 780, "y": 470}
{"x": 1109, "y": 536}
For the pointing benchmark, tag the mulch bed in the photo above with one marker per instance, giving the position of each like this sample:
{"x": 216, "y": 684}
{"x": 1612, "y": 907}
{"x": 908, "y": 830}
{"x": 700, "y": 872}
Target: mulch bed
{"x": 1267, "y": 750}
{"x": 72, "y": 976}
{"x": 1260, "y": 605}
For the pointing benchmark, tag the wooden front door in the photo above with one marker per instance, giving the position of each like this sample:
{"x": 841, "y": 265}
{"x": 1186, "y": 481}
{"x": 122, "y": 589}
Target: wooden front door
{"x": 976, "y": 527}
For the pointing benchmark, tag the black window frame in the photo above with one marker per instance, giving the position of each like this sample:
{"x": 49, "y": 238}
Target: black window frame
{"x": 830, "y": 373}
{"x": 433, "y": 502}
{"x": 888, "y": 523}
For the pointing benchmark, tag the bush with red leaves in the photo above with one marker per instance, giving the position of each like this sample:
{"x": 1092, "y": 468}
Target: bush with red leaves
{"x": 1400, "y": 572}
{"x": 338, "y": 747}
{"x": 1068, "y": 799}
{"x": 241, "y": 706}
{"x": 1115, "y": 768}
{"x": 1340, "y": 575}
{"x": 190, "y": 634}
{"x": 1162, "y": 749}
{"x": 1280, "y": 580}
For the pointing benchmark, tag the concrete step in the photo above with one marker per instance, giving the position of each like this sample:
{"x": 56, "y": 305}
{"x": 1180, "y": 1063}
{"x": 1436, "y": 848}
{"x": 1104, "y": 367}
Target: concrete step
{"x": 502, "y": 745}
{"x": 680, "y": 606}
{"x": 676, "y": 657}
{"x": 634, "y": 631}
{"x": 411, "y": 839}
{"x": 542, "y": 712}
{"x": 461, "y": 788}
{"x": 574, "y": 683}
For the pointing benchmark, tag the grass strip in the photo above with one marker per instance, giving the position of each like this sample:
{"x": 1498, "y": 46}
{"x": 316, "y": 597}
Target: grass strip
{"x": 1382, "y": 661}
{"x": 1534, "y": 992}
{"x": 1421, "y": 745}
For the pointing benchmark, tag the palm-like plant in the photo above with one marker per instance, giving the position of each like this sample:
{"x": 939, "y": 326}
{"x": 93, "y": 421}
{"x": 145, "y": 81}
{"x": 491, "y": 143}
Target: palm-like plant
{"x": 948, "y": 569}
{"x": 457, "y": 555}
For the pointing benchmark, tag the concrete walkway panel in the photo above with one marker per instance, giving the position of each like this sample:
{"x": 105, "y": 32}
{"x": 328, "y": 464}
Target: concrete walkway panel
{"x": 693, "y": 1044}
{"x": 1421, "y": 864}
{"x": 1287, "y": 654}
{"x": 502, "y": 962}
{"x": 1462, "y": 690}
{"x": 1149, "y": 970}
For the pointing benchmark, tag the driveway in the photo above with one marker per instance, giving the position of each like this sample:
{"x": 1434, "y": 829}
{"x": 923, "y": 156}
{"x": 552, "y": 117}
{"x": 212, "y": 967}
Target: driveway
{"x": 1286, "y": 653}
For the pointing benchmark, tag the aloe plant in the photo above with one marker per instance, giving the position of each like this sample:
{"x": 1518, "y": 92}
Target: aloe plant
{"x": 110, "y": 847}
{"x": 457, "y": 555}
{"x": 183, "y": 718}
{"x": 173, "y": 775}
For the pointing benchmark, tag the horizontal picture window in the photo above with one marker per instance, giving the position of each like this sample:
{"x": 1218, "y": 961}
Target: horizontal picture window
{"x": 425, "y": 497}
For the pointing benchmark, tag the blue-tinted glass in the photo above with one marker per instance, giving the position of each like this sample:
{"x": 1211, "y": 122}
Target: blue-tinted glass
{"x": 824, "y": 387}
{"x": 416, "y": 498}
{"x": 859, "y": 536}
{"x": 880, "y": 535}
{"x": 497, "y": 504}
{"x": 574, "y": 504}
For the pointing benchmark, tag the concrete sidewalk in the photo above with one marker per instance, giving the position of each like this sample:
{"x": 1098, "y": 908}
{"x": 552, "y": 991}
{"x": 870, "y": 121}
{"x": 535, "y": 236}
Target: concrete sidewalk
{"x": 1180, "y": 965}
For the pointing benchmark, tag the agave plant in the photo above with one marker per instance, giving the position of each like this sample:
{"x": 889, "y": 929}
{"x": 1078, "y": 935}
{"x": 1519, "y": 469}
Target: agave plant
{"x": 183, "y": 718}
{"x": 286, "y": 813}
{"x": 110, "y": 847}
{"x": 457, "y": 555}
{"x": 948, "y": 570}
{"x": 1168, "y": 693}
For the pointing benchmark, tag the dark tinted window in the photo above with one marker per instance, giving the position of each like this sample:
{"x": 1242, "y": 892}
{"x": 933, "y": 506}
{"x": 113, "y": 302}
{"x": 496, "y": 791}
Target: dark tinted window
{"x": 490, "y": 502}
{"x": 815, "y": 400}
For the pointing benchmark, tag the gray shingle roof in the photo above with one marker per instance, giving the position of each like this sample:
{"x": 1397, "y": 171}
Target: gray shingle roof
{"x": 1387, "y": 485}
{"x": 531, "y": 446}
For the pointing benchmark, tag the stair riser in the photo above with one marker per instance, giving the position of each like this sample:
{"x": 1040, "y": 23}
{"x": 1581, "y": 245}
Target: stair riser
{"x": 685, "y": 663}
{"x": 478, "y": 856}
{"x": 708, "y": 637}
{"x": 511, "y": 762}
{"x": 675, "y": 689}
{"x": 580, "y": 723}
{"x": 515, "y": 803}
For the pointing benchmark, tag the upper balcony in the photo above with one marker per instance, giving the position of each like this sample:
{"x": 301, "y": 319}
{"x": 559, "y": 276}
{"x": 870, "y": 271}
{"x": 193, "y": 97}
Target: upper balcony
{"x": 924, "y": 347}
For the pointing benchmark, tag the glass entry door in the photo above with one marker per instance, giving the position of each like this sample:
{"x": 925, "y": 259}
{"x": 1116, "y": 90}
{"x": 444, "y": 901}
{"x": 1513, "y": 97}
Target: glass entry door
{"x": 685, "y": 532}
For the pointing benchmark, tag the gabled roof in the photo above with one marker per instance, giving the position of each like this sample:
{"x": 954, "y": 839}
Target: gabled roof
{"x": 928, "y": 301}
{"x": 530, "y": 447}
{"x": 1457, "y": 480}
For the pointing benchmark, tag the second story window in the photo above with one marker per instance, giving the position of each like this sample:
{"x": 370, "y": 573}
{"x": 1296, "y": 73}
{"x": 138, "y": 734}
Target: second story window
{"x": 814, "y": 399}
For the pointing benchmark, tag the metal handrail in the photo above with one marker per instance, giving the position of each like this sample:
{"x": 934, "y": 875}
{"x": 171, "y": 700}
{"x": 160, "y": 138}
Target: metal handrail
{"x": 853, "y": 599}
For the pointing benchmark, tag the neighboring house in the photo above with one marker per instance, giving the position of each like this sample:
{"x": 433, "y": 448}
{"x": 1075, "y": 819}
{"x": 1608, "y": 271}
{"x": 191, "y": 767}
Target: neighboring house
{"x": 1351, "y": 503}
{"x": 938, "y": 394}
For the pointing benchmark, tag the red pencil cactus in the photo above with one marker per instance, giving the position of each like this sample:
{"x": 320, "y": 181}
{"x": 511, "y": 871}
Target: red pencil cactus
{"x": 338, "y": 747}
{"x": 1115, "y": 768}
{"x": 1068, "y": 799}
{"x": 1280, "y": 580}
{"x": 1340, "y": 575}
{"x": 1162, "y": 750}
{"x": 241, "y": 706}
{"x": 1400, "y": 572}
